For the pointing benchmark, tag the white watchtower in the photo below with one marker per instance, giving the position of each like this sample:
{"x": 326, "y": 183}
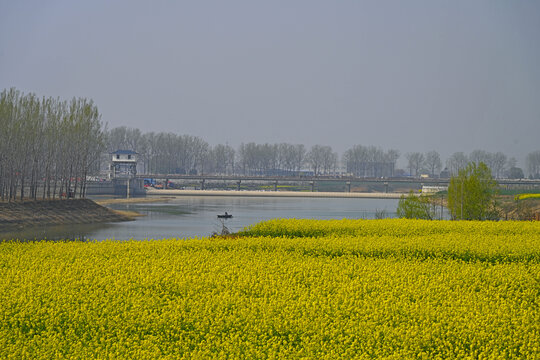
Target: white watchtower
{"x": 124, "y": 164}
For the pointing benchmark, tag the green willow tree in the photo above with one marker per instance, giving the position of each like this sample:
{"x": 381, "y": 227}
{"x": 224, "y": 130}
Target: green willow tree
{"x": 471, "y": 194}
{"x": 415, "y": 207}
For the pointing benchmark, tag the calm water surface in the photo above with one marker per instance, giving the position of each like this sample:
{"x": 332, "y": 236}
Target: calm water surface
{"x": 196, "y": 216}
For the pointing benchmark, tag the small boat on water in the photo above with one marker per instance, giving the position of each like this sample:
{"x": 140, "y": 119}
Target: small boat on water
{"x": 225, "y": 216}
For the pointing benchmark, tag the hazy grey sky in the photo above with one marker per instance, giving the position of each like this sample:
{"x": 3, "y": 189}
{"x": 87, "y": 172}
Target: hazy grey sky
{"x": 411, "y": 75}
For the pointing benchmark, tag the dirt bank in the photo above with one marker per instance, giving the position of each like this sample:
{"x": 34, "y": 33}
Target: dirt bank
{"x": 526, "y": 209}
{"x": 55, "y": 212}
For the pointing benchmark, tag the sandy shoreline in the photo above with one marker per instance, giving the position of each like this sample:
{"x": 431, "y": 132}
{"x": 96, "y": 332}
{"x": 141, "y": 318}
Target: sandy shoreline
{"x": 132, "y": 200}
{"x": 174, "y": 192}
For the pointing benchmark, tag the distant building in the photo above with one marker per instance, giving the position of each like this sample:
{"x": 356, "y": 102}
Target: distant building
{"x": 123, "y": 163}
{"x": 124, "y": 156}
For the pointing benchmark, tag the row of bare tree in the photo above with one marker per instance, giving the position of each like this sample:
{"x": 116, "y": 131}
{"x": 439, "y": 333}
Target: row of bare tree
{"x": 430, "y": 163}
{"x": 499, "y": 164}
{"x": 370, "y": 161}
{"x": 171, "y": 153}
{"x": 48, "y": 146}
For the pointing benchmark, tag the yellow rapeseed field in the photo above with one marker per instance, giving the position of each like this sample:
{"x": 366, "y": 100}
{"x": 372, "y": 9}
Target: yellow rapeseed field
{"x": 527, "y": 196}
{"x": 283, "y": 289}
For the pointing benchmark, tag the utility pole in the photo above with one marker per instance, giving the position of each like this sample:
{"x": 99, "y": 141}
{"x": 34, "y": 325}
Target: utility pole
{"x": 461, "y": 199}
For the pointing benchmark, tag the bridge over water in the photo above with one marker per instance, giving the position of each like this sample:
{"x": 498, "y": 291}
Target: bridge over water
{"x": 203, "y": 180}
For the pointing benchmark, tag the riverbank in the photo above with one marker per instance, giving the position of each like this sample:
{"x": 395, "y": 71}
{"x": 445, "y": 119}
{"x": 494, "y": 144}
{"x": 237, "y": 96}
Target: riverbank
{"x": 135, "y": 200}
{"x": 524, "y": 209}
{"x": 175, "y": 192}
{"x": 17, "y": 215}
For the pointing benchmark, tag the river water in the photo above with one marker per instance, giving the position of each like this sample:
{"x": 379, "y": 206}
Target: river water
{"x": 196, "y": 216}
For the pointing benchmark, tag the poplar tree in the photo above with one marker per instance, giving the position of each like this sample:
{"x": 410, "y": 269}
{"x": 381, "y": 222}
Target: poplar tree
{"x": 47, "y": 146}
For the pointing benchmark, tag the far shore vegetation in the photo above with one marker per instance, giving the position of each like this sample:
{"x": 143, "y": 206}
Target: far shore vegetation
{"x": 50, "y": 148}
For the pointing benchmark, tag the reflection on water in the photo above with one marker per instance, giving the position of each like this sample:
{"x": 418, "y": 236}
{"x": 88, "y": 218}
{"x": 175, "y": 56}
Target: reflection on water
{"x": 196, "y": 216}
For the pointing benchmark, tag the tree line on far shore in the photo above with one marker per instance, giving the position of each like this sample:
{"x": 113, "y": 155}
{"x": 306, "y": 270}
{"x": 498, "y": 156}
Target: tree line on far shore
{"x": 169, "y": 153}
{"x": 48, "y": 146}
